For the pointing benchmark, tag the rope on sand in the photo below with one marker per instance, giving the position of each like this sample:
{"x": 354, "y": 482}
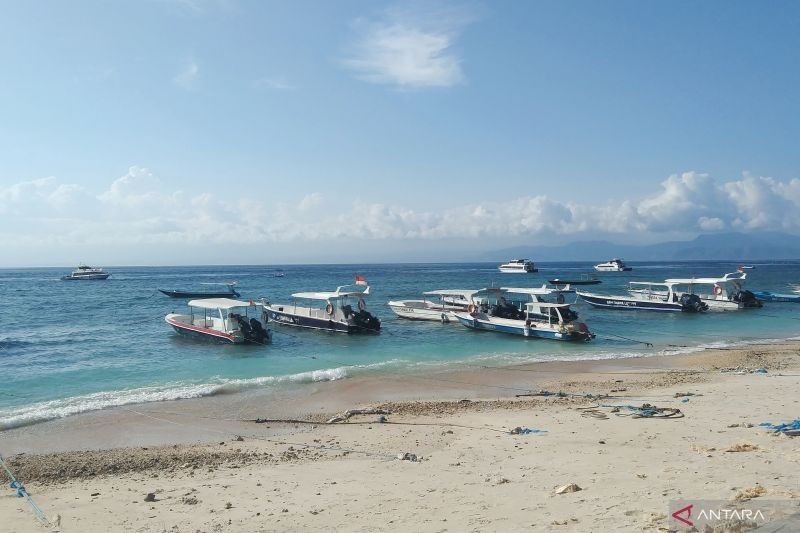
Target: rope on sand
{"x": 22, "y": 492}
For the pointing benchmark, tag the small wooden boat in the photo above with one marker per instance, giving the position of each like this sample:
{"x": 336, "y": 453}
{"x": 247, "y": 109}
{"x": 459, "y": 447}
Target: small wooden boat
{"x": 583, "y": 281}
{"x": 218, "y": 293}
{"x": 223, "y": 320}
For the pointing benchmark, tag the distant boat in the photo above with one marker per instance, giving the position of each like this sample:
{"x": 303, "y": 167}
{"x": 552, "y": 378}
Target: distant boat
{"x": 223, "y": 319}
{"x": 745, "y": 267}
{"x": 584, "y": 280}
{"x": 87, "y": 272}
{"x": 615, "y": 265}
{"x": 278, "y": 273}
{"x": 450, "y": 302}
{"x": 518, "y": 266}
{"x": 188, "y": 293}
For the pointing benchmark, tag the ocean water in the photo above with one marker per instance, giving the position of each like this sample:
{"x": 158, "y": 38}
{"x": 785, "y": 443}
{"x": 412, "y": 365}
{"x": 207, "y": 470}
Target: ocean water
{"x": 71, "y": 347}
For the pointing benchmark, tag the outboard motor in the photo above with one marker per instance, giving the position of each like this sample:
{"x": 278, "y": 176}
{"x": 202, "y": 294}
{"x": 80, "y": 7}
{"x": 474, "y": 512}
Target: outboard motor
{"x": 747, "y": 298}
{"x": 691, "y": 303}
{"x": 244, "y": 326}
{"x": 364, "y": 320}
{"x": 257, "y": 332}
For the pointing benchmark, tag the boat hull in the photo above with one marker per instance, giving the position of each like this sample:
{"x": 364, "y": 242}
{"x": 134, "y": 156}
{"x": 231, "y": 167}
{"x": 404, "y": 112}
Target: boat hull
{"x": 519, "y": 327}
{"x": 517, "y": 270}
{"x": 285, "y": 318}
{"x": 776, "y": 297}
{"x": 88, "y": 277}
{"x": 190, "y": 330}
{"x": 187, "y": 294}
{"x": 415, "y": 310}
{"x": 616, "y": 302}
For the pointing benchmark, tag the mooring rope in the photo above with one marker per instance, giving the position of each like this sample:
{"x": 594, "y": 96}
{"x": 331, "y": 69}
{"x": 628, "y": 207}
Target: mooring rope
{"x": 23, "y": 493}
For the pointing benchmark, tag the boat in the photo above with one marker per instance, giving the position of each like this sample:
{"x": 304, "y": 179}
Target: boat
{"x": 518, "y": 266}
{"x": 329, "y": 311}
{"x": 726, "y": 293}
{"x": 768, "y": 296}
{"x": 185, "y": 293}
{"x": 87, "y": 272}
{"x": 506, "y": 310}
{"x": 278, "y": 273}
{"x": 223, "y": 320}
{"x": 649, "y": 297}
{"x": 583, "y": 280}
{"x": 614, "y": 265}
{"x": 449, "y": 302}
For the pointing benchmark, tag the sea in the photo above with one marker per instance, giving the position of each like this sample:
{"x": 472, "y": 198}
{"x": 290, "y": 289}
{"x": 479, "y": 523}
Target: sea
{"x": 78, "y": 346}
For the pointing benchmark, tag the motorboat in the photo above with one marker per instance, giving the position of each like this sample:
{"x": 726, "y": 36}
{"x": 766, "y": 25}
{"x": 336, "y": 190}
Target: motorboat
{"x": 585, "y": 279}
{"x": 614, "y": 265}
{"x": 506, "y": 310}
{"x": 726, "y": 293}
{"x": 87, "y": 272}
{"x": 196, "y": 293}
{"x": 649, "y": 297}
{"x": 518, "y": 266}
{"x": 768, "y": 296}
{"x": 329, "y": 311}
{"x": 278, "y": 273}
{"x": 223, "y": 320}
{"x": 449, "y": 302}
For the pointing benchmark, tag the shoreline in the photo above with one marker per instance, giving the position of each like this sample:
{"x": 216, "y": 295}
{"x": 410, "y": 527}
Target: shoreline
{"x": 469, "y": 473}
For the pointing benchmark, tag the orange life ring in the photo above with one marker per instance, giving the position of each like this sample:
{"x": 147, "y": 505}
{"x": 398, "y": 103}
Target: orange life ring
{"x": 361, "y": 304}
{"x": 471, "y": 309}
{"x": 329, "y": 308}
{"x": 717, "y": 290}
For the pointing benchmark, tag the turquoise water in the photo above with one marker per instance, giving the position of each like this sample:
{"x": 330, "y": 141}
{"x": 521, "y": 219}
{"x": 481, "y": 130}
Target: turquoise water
{"x": 70, "y": 347}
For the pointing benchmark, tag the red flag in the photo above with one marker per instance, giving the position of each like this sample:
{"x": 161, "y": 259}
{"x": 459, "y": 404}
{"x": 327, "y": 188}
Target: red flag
{"x": 360, "y": 280}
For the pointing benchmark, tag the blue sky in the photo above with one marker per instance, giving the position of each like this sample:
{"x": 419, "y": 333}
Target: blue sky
{"x": 192, "y": 131}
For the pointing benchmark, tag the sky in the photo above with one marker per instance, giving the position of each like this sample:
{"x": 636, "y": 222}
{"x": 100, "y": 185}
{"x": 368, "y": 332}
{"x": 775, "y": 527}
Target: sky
{"x": 167, "y": 132}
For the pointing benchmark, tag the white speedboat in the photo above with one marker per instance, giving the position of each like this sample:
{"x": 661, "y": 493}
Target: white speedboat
{"x": 450, "y": 302}
{"x": 721, "y": 294}
{"x": 224, "y": 320}
{"x": 649, "y": 297}
{"x": 329, "y": 311}
{"x": 518, "y": 266}
{"x": 615, "y": 265}
{"x": 87, "y": 272}
{"x": 506, "y": 310}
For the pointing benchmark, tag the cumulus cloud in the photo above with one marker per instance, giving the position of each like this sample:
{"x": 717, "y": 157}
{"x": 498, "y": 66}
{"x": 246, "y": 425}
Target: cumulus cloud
{"x": 137, "y": 208}
{"x": 410, "y": 48}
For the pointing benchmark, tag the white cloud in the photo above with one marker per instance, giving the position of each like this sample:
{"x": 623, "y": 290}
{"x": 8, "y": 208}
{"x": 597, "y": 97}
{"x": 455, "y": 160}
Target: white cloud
{"x": 187, "y": 76}
{"x": 276, "y": 83}
{"x": 138, "y": 209}
{"x": 410, "y": 48}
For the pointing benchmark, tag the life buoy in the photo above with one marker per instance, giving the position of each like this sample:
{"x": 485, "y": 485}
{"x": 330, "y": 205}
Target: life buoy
{"x": 717, "y": 290}
{"x": 329, "y": 309}
{"x": 471, "y": 309}
{"x": 361, "y": 304}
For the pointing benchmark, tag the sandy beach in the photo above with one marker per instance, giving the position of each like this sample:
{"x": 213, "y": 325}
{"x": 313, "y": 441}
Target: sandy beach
{"x": 442, "y": 458}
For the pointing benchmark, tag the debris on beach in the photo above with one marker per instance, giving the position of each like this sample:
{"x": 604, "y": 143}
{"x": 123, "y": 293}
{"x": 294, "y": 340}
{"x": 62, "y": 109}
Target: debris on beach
{"x": 790, "y": 429}
{"x": 741, "y": 370}
{"x": 526, "y": 431}
{"x": 572, "y": 487}
{"x": 408, "y": 456}
{"x": 151, "y": 497}
{"x": 682, "y": 394}
{"x": 744, "y": 447}
{"x": 750, "y": 493}
{"x": 352, "y": 412}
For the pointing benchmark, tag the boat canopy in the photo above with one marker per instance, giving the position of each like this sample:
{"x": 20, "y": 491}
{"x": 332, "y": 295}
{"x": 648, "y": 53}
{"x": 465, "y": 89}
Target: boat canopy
{"x": 668, "y": 283}
{"x": 340, "y": 292}
{"x": 732, "y": 276}
{"x": 218, "y": 303}
{"x": 545, "y": 305}
{"x": 464, "y": 293}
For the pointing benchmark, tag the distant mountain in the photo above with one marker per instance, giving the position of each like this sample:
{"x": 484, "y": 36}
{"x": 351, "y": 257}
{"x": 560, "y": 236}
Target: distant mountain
{"x": 723, "y": 246}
